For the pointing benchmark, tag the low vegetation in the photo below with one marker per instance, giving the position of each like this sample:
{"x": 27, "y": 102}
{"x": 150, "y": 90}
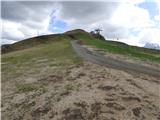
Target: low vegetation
{"x": 26, "y": 87}
{"x": 45, "y": 57}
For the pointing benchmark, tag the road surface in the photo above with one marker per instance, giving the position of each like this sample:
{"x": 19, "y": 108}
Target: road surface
{"x": 113, "y": 63}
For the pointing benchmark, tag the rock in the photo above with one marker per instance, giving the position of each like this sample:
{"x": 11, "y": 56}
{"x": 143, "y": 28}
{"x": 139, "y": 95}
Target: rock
{"x": 130, "y": 98}
{"x": 19, "y": 99}
{"x": 73, "y": 114}
{"x": 136, "y": 111}
{"x": 30, "y": 80}
{"x": 106, "y": 88}
{"x": 40, "y": 111}
{"x": 115, "y": 105}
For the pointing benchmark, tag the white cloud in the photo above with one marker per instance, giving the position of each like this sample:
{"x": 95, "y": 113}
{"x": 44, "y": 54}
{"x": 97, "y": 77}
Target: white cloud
{"x": 126, "y": 19}
{"x": 157, "y": 17}
{"x": 15, "y": 31}
{"x": 21, "y": 20}
{"x": 10, "y": 30}
{"x": 131, "y": 16}
{"x": 158, "y": 3}
{"x": 134, "y": 2}
{"x": 151, "y": 35}
{"x": 6, "y": 41}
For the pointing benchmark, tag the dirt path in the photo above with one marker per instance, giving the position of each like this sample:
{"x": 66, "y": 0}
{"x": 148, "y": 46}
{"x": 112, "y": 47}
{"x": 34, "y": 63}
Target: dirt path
{"x": 113, "y": 63}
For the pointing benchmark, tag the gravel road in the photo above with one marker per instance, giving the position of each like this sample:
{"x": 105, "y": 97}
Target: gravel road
{"x": 113, "y": 63}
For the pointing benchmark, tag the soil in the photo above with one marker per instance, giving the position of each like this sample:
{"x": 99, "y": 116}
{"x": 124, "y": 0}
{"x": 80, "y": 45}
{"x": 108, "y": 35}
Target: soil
{"x": 87, "y": 92}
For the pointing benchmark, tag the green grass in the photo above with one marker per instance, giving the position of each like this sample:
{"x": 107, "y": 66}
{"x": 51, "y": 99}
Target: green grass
{"x": 69, "y": 87}
{"x": 41, "y": 59}
{"x": 26, "y": 87}
{"x": 121, "y": 48}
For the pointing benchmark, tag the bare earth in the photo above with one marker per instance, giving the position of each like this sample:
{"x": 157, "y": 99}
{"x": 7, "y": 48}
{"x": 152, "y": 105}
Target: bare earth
{"x": 88, "y": 92}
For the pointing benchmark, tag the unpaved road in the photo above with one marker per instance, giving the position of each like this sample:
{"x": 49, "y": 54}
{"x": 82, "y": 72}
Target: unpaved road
{"x": 113, "y": 63}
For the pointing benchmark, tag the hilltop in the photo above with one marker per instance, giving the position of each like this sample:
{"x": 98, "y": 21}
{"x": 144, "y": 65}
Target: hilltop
{"x": 45, "y": 39}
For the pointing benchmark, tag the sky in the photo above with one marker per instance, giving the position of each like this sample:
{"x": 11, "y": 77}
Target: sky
{"x": 135, "y": 22}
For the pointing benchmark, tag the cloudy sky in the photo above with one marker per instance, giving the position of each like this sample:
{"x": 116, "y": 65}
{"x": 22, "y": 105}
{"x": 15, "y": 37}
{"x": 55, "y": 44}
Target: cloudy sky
{"x": 134, "y": 23}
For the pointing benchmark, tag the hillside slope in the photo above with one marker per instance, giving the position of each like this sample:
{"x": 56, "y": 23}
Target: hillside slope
{"x": 31, "y": 42}
{"x": 47, "y": 80}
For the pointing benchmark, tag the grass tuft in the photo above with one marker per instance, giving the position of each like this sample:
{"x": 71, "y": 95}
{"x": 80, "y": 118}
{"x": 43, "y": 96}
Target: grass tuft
{"x": 26, "y": 87}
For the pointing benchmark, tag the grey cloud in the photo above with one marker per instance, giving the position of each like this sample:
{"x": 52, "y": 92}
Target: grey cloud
{"x": 13, "y": 11}
{"x": 21, "y": 11}
{"x": 87, "y": 12}
{"x": 33, "y": 24}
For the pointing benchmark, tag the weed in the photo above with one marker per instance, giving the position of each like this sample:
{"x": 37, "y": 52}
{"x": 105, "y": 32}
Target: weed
{"x": 69, "y": 87}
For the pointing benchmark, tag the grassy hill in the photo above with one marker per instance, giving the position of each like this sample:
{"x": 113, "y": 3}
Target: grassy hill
{"x": 36, "y": 57}
{"x": 31, "y": 42}
{"x": 42, "y": 75}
